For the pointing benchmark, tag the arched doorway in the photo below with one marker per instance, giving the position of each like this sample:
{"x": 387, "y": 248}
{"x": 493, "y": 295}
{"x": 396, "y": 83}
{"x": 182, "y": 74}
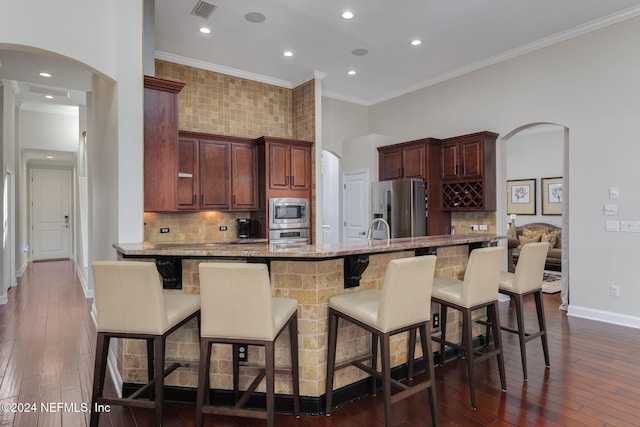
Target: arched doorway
{"x": 540, "y": 150}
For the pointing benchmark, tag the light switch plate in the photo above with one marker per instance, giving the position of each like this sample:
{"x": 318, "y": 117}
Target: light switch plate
{"x": 611, "y": 209}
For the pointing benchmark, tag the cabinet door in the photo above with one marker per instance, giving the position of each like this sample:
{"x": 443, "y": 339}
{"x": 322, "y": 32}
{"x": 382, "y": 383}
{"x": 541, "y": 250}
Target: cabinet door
{"x": 450, "y": 160}
{"x": 300, "y": 168}
{"x": 413, "y": 160}
{"x": 278, "y": 166}
{"x": 187, "y": 174}
{"x": 472, "y": 158}
{"x": 390, "y": 164}
{"x": 244, "y": 177}
{"x": 214, "y": 175}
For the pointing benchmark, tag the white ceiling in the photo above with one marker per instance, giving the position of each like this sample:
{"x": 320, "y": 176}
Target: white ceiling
{"x": 458, "y": 36}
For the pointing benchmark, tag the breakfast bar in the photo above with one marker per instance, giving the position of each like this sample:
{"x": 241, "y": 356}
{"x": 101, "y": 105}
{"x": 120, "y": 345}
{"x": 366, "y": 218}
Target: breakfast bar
{"x": 309, "y": 273}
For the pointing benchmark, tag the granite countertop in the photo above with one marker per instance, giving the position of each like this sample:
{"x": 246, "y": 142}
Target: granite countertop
{"x": 260, "y": 248}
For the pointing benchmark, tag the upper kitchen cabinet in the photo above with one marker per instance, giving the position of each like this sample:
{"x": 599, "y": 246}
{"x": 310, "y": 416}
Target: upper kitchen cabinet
{"x": 160, "y": 143}
{"x": 287, "y": 165}
{"x": 469, "y": 172}
{"x": 216, "y": 173}
{"x": 405, "y": 160}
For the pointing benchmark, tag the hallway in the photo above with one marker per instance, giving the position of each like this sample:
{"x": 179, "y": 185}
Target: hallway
{"x": 47, "y": 340}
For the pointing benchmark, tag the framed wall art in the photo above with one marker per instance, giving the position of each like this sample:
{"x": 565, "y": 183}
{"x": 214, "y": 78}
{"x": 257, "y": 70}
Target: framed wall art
{"x": 521, "y": 197}
{"x": 552, "y": 196}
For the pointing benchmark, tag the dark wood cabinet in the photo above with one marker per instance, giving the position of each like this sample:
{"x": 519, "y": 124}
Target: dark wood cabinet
{"x": 160, "y": 143}
{"x": 469, "y": 172}
{"x": 418, "y": 159}
{"x": 407, "y": 160}
{"x": 288, "y": 164}
{"x": 216, "y": 173}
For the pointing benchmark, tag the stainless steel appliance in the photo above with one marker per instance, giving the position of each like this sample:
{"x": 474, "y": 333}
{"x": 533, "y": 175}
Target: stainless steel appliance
{"x": 401, "y": 203}
{"x": 243, "y": 228}
{"x": 289, "y": 237}
{"x": 285, "y": 213}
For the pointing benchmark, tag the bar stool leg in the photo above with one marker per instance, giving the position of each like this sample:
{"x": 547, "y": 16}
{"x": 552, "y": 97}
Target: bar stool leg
{"x": 427, "y": 356}
{"x": 295, "y": 372}
{"x": 269, "y": 355}
{"x": 411, "y": 350}
{"x": 235, "y": 360}
{"x": 158, "y": 343}
{"x": 203, "y": 379}
{"x": 385, "y": 349}
{"x": 102, "y": 351}
{"x": 374, "y": 362}
{"x": 331, "y": 358}
{"x": 543, "y": 326}
{"x": 467, "y": 342}
{"x": 443, "y": 332}
{"x": 497, "y": 340}
{"x": 519, "y": 306}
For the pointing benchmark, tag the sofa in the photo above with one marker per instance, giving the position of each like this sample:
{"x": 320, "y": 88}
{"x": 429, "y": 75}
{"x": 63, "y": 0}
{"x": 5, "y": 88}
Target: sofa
{"x": 536, "y": 232}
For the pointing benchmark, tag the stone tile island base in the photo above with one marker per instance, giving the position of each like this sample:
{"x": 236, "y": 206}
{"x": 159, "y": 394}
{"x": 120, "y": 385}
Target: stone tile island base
{"x": 311, "y": 282}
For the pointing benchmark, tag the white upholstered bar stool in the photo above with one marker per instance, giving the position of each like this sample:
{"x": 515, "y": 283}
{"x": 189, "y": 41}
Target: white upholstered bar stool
{"x": 238, "y": 308}
{"x": 398, "y": 307}
{"x": 478, "y": 290}
{"x": 130, "y": 304}
{"x": 527, "y": 280}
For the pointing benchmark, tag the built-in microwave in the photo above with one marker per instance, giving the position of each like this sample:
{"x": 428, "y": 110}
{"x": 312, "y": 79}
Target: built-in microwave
{"x": 288, "y": 212}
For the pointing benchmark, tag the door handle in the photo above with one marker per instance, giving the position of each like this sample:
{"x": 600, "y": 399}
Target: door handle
{"x": 362, "y": 233}
{"x": 66, "y": 221}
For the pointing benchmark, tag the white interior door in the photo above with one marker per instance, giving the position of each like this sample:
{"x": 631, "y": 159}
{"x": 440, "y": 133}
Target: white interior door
{"x": 50, "y": 214}
{"x": 356, "y": 205}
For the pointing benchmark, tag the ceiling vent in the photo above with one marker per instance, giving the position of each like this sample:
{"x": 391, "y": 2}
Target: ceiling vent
{"x": 48, "y": 91}
{"x": 203, "y": 9}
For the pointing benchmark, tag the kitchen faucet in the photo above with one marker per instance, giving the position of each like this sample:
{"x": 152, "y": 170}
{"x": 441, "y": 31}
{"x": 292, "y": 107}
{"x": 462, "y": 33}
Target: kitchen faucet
{"x": 370, "y": 231}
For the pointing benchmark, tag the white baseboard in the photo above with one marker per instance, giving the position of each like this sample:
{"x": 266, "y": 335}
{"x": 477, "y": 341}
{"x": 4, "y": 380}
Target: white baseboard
{"x": 604, "y": 316}
{"x": 112, "y": 365}
{"x": 22, "y": 269}
{"x": 88, "y": 293}
{"x": 3, "y": 299}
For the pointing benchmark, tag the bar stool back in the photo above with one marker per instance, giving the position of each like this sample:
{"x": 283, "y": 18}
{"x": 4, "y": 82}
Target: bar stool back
{"x": 478, "y": 290}
{"x": 398, "y": 307}
{"x": 130, "y": 304}
{"x": 237, "y": 308}
{"x": 527, "y": 280}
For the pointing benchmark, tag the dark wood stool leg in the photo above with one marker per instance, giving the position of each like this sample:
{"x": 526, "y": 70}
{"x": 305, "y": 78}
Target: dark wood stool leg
{"x": 497, "y": 341}
{"x": 374, "y": 363}
{"x": 235, "y": 361}
{"x": 269, "y": 355}
{"x": 467, "y": 343}
{"x": 427, "y": 356}
{"x": 385, "y": 349}
{"x": 331, "y": 358}
{"x": 158, "y": 343}
{"x": 443, "y": 332}
{"x": 411, "y": 352}
{"x": 542, "y": 323}
{"x": 518, "y": 299}
{"x": 102, "y": 352}
{"x": 203, "y": 379}
{"x": 295, "y": 369}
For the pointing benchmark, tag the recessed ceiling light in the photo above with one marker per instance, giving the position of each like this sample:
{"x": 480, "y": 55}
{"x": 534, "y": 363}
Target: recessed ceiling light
{"x": 205, "y": 30}
{"x": 347, "y": 14}
{"x": 45, "y": 74}
{"x": 416, "y": 42}
{"x": 352, "y": 72}
{"x": 359, "y": 52}
{"x": 49, "y": 96}
{"x": 255, "y": 17}
{"x": 49, "y": 157}
{"x": 287, "y": 53}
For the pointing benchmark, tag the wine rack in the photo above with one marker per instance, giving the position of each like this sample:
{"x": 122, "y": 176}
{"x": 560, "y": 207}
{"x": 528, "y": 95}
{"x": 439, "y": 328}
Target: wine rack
{"x": 463, "y": 196}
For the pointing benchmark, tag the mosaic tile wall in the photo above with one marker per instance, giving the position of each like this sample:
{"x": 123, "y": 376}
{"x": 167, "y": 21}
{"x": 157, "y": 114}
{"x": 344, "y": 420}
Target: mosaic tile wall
{"x": 217, "y": 103}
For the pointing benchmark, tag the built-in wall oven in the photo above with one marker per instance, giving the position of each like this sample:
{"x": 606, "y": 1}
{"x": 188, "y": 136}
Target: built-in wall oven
{"x": 288, "y": 213}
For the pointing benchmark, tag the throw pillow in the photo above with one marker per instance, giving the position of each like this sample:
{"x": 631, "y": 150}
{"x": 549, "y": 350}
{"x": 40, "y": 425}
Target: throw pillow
{"x": 550, "y": 238}
{"x": 522, "y": 240}
{"x": 530, "y": 233}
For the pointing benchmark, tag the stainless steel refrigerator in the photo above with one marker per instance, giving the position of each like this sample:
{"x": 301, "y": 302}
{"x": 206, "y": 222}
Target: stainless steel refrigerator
{"x": 401, "y": 203}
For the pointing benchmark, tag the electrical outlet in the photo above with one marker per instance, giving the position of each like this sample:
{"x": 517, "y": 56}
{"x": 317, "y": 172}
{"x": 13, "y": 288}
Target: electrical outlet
{"x": 474, "y": 227}
{"x": 223, "y": 228}
{"x": 483, "y": 227}
{"x": 614, "y": 290}
{"x": 164, "y": 230}
{"x": 242, "y": 353}
{"x": 435, "y": 320}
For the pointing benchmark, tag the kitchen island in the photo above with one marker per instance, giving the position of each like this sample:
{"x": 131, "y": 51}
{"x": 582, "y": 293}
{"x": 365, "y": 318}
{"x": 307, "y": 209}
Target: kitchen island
{"x": 309, "y": 273}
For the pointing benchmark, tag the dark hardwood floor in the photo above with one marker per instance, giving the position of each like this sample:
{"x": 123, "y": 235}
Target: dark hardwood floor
{"x": 47, "y": 344}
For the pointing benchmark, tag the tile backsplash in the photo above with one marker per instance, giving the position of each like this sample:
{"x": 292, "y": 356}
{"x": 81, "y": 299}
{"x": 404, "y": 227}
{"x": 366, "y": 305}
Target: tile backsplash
{"x": 191, "y": 226}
